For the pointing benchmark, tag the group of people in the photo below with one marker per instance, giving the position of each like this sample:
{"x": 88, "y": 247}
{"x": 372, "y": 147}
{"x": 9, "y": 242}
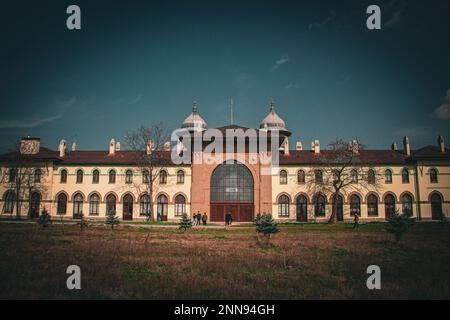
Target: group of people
{"x": 199, "y": 218}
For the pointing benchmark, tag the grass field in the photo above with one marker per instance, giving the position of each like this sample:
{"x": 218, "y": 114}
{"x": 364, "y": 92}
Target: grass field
{"x": 303, "y": 262}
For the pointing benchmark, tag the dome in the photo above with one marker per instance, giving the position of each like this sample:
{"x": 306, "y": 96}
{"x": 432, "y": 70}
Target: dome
{"x": 272, "y": 120}
{"x": 194, "y": 122}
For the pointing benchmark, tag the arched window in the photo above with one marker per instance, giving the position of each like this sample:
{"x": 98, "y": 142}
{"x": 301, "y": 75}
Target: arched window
{"x": 129, "y": 176}
{"x": 35, "y": 202}
{"x": 180, "y": 177}
{"x": 9, "y": 202}
{"x": 162, "y": 207}
{"x": 110, "y": 203}
{"x": 61, "y": 207}
{"x": 300, "y": 177}
{"x": 283, "y": 206}
{"x": 127, "y": 207}
{"x": 112, "y": 176}
{"x": 354, "y": 176}
{"x": 145, "y": 176}
{"x": 94, "y": 205}
{"x": 95, "y": 176}
{"x": 144, "y": 205}
{"x": 283, "y": 177}
{"x": 319, "y": 205}
{"x": 78, "y": 204}
{"x": 433, "y": 176}
{"x": 79, "y": 176}
{"x": 405, "y": 175}
{"x": 388, "y": 176}
{"x": 63, "y": 176}
{"x": 407, "y": 205}
{"x": 355, "y": 205}
{"x": 180, "y": 205}
{"x": 436, "y": 206}
{"x": 163, "y": 177}
{"x": 318, "y": 174}
{"x": 372, "y": 205}
{"x": 371, "y": 176}
{"x": 302, "y": 208}
{"x": 37, "y": 175}
{"x": 389, "y": 206}
{"x": 12, "y": 175}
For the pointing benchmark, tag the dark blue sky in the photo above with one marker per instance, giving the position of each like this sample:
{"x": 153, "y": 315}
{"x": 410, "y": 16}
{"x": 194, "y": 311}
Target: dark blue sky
{"x": 137, "y": 62}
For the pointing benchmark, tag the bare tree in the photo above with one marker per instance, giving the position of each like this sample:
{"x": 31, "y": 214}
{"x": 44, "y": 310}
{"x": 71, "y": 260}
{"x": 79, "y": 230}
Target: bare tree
{"x": 22, "y": 175}
{"x": 340, "y": 172}
{"x": 146, "y": 143}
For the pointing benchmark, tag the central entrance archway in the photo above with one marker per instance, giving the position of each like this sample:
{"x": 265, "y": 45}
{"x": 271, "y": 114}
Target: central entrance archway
{"x": 232, "y": 191}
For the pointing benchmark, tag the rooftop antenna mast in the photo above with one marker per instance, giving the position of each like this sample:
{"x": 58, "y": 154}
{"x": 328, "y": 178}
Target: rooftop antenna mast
{"x": 231, "y": 110}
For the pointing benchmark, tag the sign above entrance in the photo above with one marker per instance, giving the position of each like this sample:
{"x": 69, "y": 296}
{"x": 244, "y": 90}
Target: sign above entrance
{"x": 235, "y": 190}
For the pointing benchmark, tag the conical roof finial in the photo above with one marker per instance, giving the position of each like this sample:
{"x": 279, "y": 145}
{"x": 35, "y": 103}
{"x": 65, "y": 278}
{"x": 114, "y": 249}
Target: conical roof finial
{"x": 272, "y": 105}
{"x": 194, "y": 107}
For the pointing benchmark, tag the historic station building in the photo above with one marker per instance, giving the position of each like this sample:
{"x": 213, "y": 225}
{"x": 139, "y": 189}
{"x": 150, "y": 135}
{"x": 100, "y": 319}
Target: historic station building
{"x": 71, "y": 182}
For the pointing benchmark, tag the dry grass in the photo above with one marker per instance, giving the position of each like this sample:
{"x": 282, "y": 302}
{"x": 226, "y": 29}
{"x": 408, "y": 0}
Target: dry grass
{"x": 303, "y": 262}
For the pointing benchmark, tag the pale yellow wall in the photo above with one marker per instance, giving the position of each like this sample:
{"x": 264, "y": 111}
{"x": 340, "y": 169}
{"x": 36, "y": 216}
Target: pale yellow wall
{"x": 293, "y": 189}
{"x": 120, "y": 188}
{"x": 45, "y": 188}
{"x": 426, "y": 188}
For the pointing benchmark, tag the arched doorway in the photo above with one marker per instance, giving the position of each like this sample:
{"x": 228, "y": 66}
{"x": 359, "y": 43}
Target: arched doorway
{"x": 127, "y": 207}
{"x": 436, "y": 206}
{"x": 389, "y": 206}
{"x": 232, "y": 191}
{"x": 162, "y": 207}
{"x": 339, "y": 207}
{"x": 302, "y": 209}
{"x": 35, "y": 202}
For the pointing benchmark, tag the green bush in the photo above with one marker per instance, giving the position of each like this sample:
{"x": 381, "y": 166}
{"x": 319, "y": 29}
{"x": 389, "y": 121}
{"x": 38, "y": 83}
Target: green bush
{"x": 398, "y": 224}
{"x": 185, "y": 222}
{"x": 266, "y": 225}
{"x": 44, "y": 219}
{"x": 111, "y": 219}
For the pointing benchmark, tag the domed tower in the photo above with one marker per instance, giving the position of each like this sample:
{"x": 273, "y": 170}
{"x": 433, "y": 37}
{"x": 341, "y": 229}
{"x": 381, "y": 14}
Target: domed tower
{"x": 273, "y": 122}
{"x": 194, "y": 122}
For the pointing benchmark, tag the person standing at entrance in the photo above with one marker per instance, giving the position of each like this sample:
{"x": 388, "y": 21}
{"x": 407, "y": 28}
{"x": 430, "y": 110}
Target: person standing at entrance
{"x": 204, "y": 218}
{"x": 356, "y": 221}
{"x": 199, "y": 218}
{"x": 227, "y": 218}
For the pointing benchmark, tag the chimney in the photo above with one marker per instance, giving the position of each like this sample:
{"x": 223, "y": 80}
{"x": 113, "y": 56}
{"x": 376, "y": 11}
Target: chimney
{"x": 394, "y": 147}
{"x": 180, "y": 148}
{"x": 286, "y": 146}
{"x": 315, "y": 146}
{"x": 406, "y": 147}
{"x": 30, "y": 145}
{"x": 117, "y": 146}
{"x": 74, "y": 146}
{"x": 441, "y": 144}
{"x": 112, "y": 147}
{"x": 150, "y": 147}
{"x": 298, "y": 146}
{"x": 62, "y": 148}
{"x": 355, "y": 146}
{"x": 167, "y": 146}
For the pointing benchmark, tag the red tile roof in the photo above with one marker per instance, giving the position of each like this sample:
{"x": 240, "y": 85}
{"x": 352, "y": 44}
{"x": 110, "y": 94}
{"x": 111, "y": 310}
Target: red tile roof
{"x": 370, "y": 157}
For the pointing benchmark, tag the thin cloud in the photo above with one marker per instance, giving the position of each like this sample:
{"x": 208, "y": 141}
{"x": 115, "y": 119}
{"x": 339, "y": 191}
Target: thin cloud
{"x": 280, "y": 62}
{"x": 36, "y": 122}
{"x": 292, "y": 85}
{"x": 28, "y": 123}
{"x": 318, "y": 25}
{"x": 394, "y": 13}
{"x": 443, "y": 111}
